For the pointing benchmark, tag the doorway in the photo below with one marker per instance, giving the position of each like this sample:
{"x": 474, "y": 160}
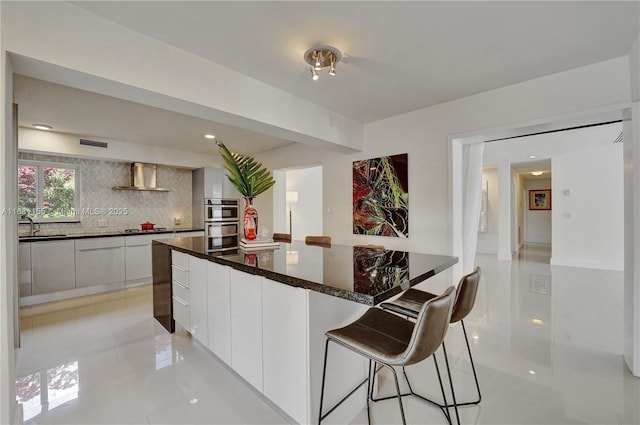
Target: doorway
{"x": 297, "y": 202}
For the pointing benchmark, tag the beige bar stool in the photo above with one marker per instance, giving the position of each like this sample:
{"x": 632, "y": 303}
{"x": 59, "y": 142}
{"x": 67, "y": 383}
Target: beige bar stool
{"x": 389, "y": 340}
{"x": 411, "y": 301}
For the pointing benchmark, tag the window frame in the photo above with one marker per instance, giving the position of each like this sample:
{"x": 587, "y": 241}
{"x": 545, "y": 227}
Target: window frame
{"x": 40, "y": 165}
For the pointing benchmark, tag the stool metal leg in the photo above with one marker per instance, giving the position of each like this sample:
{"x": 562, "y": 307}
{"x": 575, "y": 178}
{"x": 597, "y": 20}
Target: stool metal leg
{"x": 369, "y": 392}
{"x": 453, "y": 394}
{"x": 324, "y": 375}
{"x": 395, "y": 377}
{"x": 473, "y": 367}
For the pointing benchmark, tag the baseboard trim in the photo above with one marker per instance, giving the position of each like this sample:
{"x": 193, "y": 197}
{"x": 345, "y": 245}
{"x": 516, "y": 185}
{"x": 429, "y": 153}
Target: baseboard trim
{"x": 587, "y": 264}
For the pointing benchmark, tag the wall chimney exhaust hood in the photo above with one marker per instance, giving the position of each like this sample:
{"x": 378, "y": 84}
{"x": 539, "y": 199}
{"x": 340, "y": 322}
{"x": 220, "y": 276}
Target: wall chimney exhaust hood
{"x": 143, "y": 177}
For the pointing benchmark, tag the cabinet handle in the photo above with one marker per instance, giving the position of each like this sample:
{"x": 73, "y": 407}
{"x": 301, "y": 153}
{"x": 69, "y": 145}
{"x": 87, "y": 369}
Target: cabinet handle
{"x": 180, "y": 301}
{"x": 180, "y": 284}
{"x": 97, "y": 249}
{"x": 179, "y": 268}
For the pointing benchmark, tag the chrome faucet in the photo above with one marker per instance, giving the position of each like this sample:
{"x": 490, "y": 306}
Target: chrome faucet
{"x": 32, "y": 230}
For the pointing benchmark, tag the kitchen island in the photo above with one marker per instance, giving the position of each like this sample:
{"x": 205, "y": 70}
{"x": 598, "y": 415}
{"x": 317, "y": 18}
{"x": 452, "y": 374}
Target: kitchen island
{"x": 264, "y": 313}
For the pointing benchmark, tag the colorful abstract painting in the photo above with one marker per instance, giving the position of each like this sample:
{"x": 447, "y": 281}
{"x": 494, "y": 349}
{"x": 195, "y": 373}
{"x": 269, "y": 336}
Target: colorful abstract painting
{"x": 381, "y": 196}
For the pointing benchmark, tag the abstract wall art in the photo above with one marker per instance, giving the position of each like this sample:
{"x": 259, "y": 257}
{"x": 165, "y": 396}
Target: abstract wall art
{"x": 381, "y": 196}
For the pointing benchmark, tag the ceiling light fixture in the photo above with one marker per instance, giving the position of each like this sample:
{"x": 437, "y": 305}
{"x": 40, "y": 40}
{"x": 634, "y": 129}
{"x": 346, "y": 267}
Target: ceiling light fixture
{"x": 322, "y": 57}
{"x": 532, "y": 157}
{"x": 42, "y": 126}
{"x": 209, "y": 136}
{"x": 537, "y": 173}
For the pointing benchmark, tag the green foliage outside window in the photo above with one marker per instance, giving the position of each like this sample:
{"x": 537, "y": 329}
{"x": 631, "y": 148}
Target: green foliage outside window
{"x": 56, "y": 199}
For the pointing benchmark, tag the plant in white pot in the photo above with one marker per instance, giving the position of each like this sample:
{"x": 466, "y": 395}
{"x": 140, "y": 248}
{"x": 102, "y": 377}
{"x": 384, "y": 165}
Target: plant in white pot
{"x": 250, "y": 179}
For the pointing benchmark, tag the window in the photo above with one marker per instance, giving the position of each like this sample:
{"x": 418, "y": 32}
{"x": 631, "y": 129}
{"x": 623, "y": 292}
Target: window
{"x": 48, "y": 191}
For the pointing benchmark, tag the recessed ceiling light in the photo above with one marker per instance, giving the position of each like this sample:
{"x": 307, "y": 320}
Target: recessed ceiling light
{"x": 535, "y": 321}
{"x": 209, "y": 136}
{"x": 537, "y": 173}
{"x": 532, "y": 157}
{"x": 475, "y": 337}
{"x": 42, "y": 126}
{"x": 532, "y": 372}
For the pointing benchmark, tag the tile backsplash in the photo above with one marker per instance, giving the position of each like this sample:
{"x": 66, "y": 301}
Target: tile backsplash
{"x": 97, "y": 177}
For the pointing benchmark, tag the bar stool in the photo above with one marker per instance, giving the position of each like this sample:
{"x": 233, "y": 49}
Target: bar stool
{"x": 389, "y": 340}
{"x": 324, "y": 241}
{"x": 281, "y": 237}
{"x": 411, "y": 301}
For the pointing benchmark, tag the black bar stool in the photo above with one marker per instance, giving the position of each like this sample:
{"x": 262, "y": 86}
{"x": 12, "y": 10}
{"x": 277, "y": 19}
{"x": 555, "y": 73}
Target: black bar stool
{"x": 390, "y": 340}
{"x": 411, "y": 301}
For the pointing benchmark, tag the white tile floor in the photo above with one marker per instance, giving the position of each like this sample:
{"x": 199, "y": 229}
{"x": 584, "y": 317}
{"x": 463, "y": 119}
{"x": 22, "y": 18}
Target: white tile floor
{"x": 546, "y": 340}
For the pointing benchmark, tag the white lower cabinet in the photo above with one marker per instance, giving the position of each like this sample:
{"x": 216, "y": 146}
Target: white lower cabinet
{"x": 219, "y": 310}
{"x": 99, "y": 261}
{"x": 284, "y": 342}
{"x": 53, "y": 266}
{"x": 246, "y": 326}
{"x": 24, "y": 268}
{"x": 180, "y": 288}
{"x": 138, "y": 258}
{"x": 198, "y": 300}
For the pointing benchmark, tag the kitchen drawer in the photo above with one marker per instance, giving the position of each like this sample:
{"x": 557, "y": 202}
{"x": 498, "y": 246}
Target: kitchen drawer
{"x": 179, "y": 274}
{"x": 140, "y": 239}
{"x": 99, "y": 243}
{"x": 181, "y": 312}
{"x": 180, "y": 291}
{"x": 180, "y": 259}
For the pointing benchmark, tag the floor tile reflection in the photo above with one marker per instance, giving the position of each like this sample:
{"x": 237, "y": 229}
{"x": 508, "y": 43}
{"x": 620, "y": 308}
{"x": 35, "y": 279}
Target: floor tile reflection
{"x": 542, "y": 357}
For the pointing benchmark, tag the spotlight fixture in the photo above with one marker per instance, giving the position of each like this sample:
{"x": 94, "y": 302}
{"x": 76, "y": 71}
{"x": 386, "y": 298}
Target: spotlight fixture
{"x": 322, "y": 57}
{"x": 209, "y": 136}
{"x": 42, "y": 126}
{"x": 537, "y": 173}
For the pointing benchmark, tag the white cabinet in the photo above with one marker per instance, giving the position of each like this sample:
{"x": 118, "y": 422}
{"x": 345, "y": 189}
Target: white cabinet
{"x": 246, "y": 326}
{"x": 219, "y": 310}
{"x": 24, "y": 268}
{"x": 53, "y": 264}
{"x": 180, "y": 287}
{"x": 284, "y": 354}
{"x": 138, "y": 258}
{"x": 198, "y": 300}
{"x": 99, "y": 261}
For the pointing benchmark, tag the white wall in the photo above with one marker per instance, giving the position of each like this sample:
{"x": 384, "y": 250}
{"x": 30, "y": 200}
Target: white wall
{"x": 424, "y": 135}
{"x": 537, "y": 223}
{"x": 588, "y": 221}
{"x": 519, "y": 209}
{"x": 8, "y": 244}
{"x": 46, "y": 142}
{"x": 488, "y": 241}
{"x": 306, "y": 214}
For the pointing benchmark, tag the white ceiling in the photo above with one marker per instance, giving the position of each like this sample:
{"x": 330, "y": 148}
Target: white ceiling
{"x": 106, "y": 118}
{"x": 399, "y": 56}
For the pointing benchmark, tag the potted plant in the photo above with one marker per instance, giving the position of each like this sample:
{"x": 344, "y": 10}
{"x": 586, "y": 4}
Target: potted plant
{"x": 250, "y": 179}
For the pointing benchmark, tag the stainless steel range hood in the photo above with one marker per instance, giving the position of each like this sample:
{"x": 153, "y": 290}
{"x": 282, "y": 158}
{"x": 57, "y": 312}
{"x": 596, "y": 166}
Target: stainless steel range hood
{"x": 143, "y": 177}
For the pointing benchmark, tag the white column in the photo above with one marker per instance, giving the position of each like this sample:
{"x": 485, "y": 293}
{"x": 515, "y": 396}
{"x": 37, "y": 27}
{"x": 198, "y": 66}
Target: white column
{"x": 505, "y": 213}
{"x": 632, "y": 238}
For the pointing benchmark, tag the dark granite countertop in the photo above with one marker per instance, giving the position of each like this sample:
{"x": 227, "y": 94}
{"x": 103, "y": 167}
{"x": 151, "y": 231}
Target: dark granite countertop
{"x": 54, "y": 237}
{"x": 364, "y": 274}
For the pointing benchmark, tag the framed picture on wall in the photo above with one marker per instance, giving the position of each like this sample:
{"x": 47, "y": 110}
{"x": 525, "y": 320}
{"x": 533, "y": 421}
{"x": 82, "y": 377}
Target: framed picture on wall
{"x": 540, "y": 199}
